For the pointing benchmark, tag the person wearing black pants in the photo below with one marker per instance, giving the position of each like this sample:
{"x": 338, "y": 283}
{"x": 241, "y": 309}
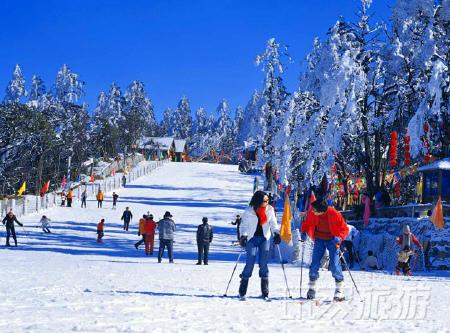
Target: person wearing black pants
{"x": 204, "y": 238}
{"x": 237, "y": 223}
{"x": 9, "y": 220}
{"x": 126, "y": 217}
{"x": 83, "y": 199}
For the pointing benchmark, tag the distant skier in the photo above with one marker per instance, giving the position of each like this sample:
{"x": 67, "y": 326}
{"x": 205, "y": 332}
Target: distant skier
{"x": 115, "y": 196}
{"x": 9, "y": 220}
{"x": 371, "y": 262}
{"x": 69, "y": 198}
{"x": 259, "y": 223}
{"x": 403, "y": 261}
{"x": 63, "y": 199}
{"x": 126, "y": 217}
{"x": 45, "y": 224}
{"x": 141, "y": 231}
{"x": 100, "y": 197}
{"x": 237, "y": 223}
{"x": 150, "y": 227}
{"x": 100, "y": 230}
{"x": 83, "y": 199}
{"x": 166, "y": 229}
{"x": 326, "y": 226}
{"x": 124, "y": 180}
{"x": 204, "y": 239}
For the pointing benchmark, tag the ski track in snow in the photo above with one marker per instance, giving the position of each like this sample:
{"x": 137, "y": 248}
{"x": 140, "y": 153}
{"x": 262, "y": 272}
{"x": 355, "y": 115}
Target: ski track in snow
{"x": 66, "y": 281}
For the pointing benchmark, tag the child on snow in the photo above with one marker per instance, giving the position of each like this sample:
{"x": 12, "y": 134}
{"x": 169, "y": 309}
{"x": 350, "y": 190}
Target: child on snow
{"x": 100, "y": 233}
{"x": 403, "y": 261}
{"x": 45, "y": 224}
{"x": 371, "y": 262}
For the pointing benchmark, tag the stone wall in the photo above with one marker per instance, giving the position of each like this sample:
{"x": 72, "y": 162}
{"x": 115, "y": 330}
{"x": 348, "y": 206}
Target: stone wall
{"x": 379, "y": 236}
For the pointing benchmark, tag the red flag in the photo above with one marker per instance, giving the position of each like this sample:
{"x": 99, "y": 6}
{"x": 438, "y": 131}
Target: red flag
{"x": 45, "y": 187}
{"x": 113, "y": 172}
{"x": 92, "y": 178}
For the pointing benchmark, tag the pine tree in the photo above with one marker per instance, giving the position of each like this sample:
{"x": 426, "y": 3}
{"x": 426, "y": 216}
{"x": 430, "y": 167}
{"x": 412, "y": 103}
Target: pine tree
{"x": 16, "y": 87}
{"x": 183, "y": 120}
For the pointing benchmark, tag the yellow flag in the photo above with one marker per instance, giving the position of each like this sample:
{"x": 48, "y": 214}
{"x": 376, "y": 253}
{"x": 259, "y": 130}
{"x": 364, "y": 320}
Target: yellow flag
{"x": 438, "y": 215}
{"x": 285, "y": 230}
{"x": 22, "y": 188}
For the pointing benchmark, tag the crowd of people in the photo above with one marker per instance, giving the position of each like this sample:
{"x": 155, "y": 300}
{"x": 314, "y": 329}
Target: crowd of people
{"x": 256, "y": 230}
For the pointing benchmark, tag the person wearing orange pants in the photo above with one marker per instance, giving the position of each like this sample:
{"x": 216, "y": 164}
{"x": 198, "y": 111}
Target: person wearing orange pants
{"x": 150, "y": 226}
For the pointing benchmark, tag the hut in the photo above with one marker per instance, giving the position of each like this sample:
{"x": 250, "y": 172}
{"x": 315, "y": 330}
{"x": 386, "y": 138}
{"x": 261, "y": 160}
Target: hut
{"x": 157, "y": 147}
{"x": 181, "y": 151}
{"x": 436, "y": 180}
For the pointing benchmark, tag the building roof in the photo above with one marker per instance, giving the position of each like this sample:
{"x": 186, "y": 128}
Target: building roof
{"x": 443, "y": 164}
{"x": 180, "y": 145}
{"x": 156, "y": 142}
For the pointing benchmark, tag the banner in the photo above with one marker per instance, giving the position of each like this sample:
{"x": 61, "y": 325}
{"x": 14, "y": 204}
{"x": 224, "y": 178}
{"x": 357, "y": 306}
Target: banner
{"x": 285, "y": 229}
{"x": 22, "y": 188}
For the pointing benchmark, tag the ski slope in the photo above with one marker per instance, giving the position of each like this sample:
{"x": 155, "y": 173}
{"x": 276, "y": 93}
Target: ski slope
{"x": 66, "y": 282}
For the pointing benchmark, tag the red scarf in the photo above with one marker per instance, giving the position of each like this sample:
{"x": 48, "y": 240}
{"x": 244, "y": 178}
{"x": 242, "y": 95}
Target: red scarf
{"x": 261, "y": 212}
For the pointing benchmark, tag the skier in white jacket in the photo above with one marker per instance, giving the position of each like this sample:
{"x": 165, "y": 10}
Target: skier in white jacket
{"x": 45, "y": 224}
{"x": 258, "y": 224}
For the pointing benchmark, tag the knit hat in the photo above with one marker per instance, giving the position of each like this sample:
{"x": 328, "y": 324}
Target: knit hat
{"x": 406, "y": 229}
{"x": 205, "y": 219}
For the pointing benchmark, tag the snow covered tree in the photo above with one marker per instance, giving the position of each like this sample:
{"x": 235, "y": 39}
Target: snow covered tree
{"x": 183, "y": 120}
{"x": 167, "y": 125}
{"x": 139, "y": 118}
{"x": 199, "y": 143}
{"x": 274, "y": 93}
{"x": 16, "y": 87}
{"x": 224, "y": 130}
{"x": 252, "y": 128}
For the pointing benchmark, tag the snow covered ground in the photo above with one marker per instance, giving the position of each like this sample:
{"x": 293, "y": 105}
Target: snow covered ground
{"x": 66, "y": 281}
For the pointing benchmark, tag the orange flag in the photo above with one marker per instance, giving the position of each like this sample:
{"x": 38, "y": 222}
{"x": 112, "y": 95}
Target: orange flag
{"x": 438, "y": 215}
{"x": 285, "y": 230}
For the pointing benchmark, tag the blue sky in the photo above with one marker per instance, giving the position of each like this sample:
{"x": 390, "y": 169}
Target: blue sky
{"x": 202, "y": 49}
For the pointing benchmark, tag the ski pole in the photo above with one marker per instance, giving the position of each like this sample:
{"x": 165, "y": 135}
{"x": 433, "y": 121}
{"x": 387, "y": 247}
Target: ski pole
{"x": 284, "y": 272}
{"x": 301, "y": 268}
{"x": 341, "y": 255}
{"x": 234, "y": 269}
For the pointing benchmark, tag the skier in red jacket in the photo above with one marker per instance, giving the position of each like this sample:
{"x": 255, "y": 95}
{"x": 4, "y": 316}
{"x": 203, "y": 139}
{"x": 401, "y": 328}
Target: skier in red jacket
{"x": 327, "y": 228}
{"x": 150, "y": 226}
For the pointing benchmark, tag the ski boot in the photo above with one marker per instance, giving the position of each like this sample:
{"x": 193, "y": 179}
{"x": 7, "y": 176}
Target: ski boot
{"x": 311, "y": 294}
{"x": 243, "y": 289}
{"x": 339, "y": 292}
{"x": 265, "y": 289}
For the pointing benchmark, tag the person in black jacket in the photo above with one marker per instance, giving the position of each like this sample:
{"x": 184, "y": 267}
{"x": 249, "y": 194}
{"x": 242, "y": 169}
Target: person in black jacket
{"x": 237, "y": 223}
{"x": 115, "y": 196}
{"x": 9, "y": 220}
{"x": 126, "y": 217}
{"x": 204, "y": 238}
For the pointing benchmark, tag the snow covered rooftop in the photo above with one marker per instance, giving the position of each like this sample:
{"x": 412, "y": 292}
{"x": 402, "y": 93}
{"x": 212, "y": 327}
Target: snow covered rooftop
{"x": 156, "y": 142}
{"x": 179, "y": 145}
{"x": 443, "y": 164}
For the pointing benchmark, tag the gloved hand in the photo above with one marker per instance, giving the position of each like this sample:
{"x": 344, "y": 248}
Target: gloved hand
{"x": 336, "y": 241}
{"x": 139, "y": 233}
{"x": 21, "y": 224}
{"x": 303, "y": 237}
{"x": 243, "y": 241}
{"x": 276, "y": 238}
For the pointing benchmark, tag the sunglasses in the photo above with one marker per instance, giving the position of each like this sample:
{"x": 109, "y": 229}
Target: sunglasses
{"x": 266, "y": 200}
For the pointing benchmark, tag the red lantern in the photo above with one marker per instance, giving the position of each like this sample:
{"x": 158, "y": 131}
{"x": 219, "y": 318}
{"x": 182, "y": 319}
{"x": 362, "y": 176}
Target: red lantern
{"x": 407, "y": 150}
{"x": 393, "y": 149}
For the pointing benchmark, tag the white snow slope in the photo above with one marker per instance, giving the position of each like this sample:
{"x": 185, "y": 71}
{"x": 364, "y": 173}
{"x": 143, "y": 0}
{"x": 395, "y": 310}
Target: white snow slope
{"x": 65, "y": 281}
